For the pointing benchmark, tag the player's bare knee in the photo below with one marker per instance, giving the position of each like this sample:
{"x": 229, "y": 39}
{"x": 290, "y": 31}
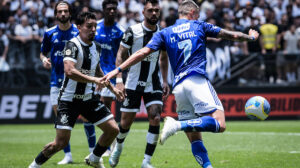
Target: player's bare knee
{"x": 114, "y": 131}
{"x": 154, "y": 114}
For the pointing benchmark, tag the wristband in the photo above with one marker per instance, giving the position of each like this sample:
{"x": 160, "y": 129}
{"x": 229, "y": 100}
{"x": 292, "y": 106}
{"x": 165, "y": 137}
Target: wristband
{"x": 44, "y": 59}
{"x": 119, "y": 69}
{"x": 252, "y": 38}
{"x": 119, "y": 80}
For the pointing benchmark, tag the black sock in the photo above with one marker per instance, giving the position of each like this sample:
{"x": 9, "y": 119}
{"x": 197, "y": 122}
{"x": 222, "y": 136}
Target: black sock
{"x": 152, "y": 138}
{"x": 122, "y": 134}
{"x": 99, "y": 150}
{"x": 41, "y": 158}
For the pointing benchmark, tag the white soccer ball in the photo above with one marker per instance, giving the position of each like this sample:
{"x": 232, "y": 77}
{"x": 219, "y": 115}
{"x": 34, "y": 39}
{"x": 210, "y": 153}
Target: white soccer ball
{"x": 257, "y": 108}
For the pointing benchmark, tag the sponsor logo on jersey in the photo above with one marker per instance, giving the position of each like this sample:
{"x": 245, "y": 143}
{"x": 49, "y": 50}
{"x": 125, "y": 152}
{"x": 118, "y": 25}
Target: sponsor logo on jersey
{"x": 58, "y": 54}
{"x": 106, "y": 46}
{"x": 68, "y": 52}
{"x": 181, "y": 28}
{"x": 83, "y": 97}
{"x": 87, "y": 72}
{"x": 152, "y": 57}
{"x": 144, "y": 84}
{"x": 74, "y": 33}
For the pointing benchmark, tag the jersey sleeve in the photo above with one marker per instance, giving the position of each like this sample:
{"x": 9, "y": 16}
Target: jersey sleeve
{"x": 127, "y": 39}
{"x": 46, "y": 44}
{"x": 70, "y": 52}
{"x": 157, "y": 42}
{"x": 211, "y": 30}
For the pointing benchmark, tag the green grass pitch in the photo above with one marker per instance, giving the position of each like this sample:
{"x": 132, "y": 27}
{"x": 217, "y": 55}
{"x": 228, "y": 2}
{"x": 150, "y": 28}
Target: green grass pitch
{"x": 245, "y": 144}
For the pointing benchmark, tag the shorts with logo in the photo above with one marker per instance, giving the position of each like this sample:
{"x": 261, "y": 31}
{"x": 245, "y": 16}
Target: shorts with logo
{"x": 93, "y": 110}
{"x": 194, "y": 97}
{"x": 133, "y": 99}
{"x": 54, "y": 91}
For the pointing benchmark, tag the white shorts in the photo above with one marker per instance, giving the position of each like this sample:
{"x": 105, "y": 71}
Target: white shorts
{"x": 195, "y": 96}
{"x": 54, "y": 91}
{"x": 105, "y": 92}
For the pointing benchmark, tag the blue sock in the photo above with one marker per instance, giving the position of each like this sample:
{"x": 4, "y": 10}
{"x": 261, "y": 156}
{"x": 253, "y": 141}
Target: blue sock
{"x": 67, "y": 149}
{"x": 89, "y": 129}
{"x": 202, "y": 124}
{"x": 200, "y": 153}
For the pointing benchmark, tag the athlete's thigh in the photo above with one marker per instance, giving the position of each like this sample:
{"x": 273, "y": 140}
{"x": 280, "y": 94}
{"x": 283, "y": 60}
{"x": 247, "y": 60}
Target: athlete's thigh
{"x": 108, "y": 125}
{"x": 202, "y": 95}
{"x": 95, "y": 111}
{"x": 184, "y": 108}
{"x": 132, "y": 101}
{"x": 66, "y": 115}
{"x": 127, "y": 119}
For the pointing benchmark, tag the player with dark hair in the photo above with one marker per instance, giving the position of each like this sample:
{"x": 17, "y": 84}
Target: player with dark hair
{"x": 142, "y": 81}
{"x": 198, "y": 106}
{"x": 54, "y": 42}
{"x": 76, "y": 97}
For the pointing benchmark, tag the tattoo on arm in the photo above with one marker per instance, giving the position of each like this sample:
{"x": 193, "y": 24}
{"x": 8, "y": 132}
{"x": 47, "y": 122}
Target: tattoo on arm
{"x": 234, "y": 36}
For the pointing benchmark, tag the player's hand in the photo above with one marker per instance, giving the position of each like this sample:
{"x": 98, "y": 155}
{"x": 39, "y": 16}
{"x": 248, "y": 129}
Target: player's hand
{"x": 166, "y": 91}
{"x": 46, "y": 63}
{"x": 121, "y": 87}
{"x": 253, "y": 33}
{"x": 100, "y": 83}
{"x": 119, "y": 94}
{"x": 111, "y": 74}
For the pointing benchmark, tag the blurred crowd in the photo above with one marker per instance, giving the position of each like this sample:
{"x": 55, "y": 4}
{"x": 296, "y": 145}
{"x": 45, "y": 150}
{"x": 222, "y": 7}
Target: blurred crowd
{"x": 23, "y": 23}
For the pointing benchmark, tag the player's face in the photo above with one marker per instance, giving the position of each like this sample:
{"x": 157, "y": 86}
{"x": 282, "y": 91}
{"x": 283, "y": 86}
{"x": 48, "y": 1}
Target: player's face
{"x": 87, "y": 30}
{"x": 110, "y": 12}
{"x": 63, "y": 13}
{"x": 151, "y": 13}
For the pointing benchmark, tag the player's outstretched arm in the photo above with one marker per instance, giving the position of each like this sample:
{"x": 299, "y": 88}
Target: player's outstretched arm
{"x": 163, "y": 65}
{"x": 238, "y": 36}
{"x": 133, "y": 59}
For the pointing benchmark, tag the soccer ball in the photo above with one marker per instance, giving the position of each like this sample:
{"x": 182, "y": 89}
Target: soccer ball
{"x": 257, "y": 108}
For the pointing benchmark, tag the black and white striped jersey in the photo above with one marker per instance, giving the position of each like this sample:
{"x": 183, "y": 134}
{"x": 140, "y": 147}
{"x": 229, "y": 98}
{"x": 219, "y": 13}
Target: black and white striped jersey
{"x": 86, "y": 58}
{"x": 143, "y": 76}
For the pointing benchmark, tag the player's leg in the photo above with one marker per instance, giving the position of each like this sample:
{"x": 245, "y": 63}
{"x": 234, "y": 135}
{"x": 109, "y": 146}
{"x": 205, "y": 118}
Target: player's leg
{"x": 202, "y": 101}
{"x": 65, "y": 121}
{"x": 54, "y": 91}
{"x": 107, "y": 97}
{"x": 100, "y": 115}
{"x": 90, "y": 133}
{"x": 129, "y": 108}
{"x": 198, "y": 149}
{"x": 153, "y": 103}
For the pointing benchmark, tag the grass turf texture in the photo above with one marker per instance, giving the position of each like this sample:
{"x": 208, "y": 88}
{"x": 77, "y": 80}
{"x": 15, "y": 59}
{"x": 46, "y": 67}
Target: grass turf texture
{"x": 245, "y": 144}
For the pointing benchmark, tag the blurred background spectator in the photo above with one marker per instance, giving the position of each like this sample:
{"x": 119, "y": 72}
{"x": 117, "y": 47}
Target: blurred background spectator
{"x": 276, "y": 54}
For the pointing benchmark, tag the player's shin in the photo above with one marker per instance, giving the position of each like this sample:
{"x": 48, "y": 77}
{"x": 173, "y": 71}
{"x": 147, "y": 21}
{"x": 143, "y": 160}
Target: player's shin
{"x": 121, "y": 136}
{"x": 200, "y": 154}
{"x": 89, "y": 129}
{"x": 97, "y": 153}
{"x": 40, "y": 159}
{"x": 152, "y": 138}
{"x": 202, "y": 124}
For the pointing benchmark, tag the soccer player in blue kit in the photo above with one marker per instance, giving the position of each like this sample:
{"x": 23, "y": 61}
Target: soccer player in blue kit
{"x": 198, "y": 106}
{"x": 54, "y": 42}
{"x": 109, "y": 35}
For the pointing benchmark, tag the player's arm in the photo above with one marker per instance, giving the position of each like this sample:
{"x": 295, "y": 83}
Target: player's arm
{"x": 122, "y": 55}
{"x": 238, "y": 36}
{"x": 45, "y": 48}
{"x": 163, "y": 65}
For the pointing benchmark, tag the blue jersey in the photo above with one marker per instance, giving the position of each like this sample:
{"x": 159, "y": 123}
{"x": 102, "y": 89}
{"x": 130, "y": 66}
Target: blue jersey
{"x": 54, "y": 42}
{"x": 109, "y": 38}
{"x": 185, "y": 42}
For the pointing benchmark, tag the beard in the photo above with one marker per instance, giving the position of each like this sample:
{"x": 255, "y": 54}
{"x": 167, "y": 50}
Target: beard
{"x": 63, "y": 19}
{"x": 91, "y": 37}
{"x": 152, "y": 21}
